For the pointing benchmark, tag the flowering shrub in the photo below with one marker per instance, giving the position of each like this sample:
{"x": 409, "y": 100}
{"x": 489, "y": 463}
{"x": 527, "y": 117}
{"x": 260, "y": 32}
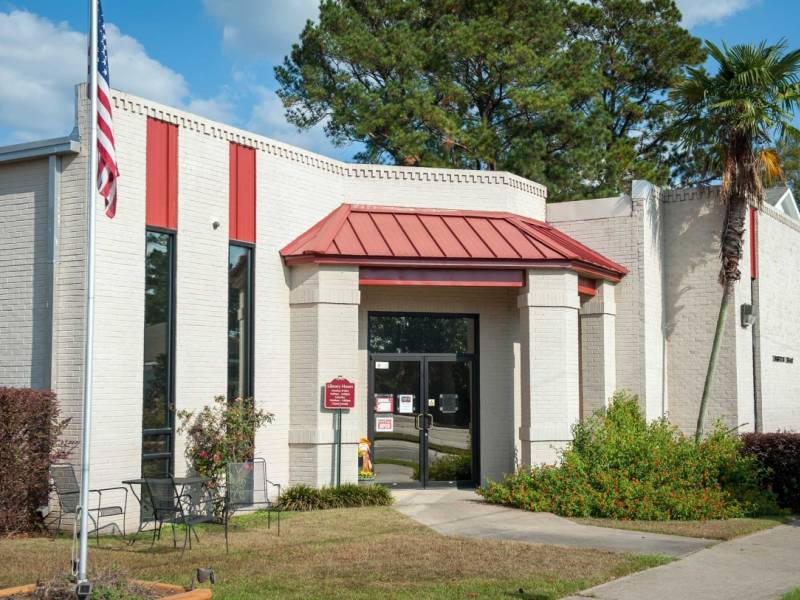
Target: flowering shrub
{"x": 221, "y": 433}
{"x": 30, "y": 440}
{"x": 619, "y": 466}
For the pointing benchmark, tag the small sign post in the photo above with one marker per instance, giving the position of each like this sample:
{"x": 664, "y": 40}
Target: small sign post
{"x": 340, "y": 394}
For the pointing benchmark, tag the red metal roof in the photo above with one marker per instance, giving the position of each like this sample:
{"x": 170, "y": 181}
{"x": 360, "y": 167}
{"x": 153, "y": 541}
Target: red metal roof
{"x": 398, "y": 237}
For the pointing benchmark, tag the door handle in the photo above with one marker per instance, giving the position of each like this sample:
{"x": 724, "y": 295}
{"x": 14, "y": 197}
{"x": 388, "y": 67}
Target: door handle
{"x": 418, "y": 421}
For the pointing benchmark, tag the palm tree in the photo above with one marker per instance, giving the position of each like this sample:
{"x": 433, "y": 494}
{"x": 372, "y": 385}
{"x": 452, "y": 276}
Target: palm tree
{"x": 741, "y": 111}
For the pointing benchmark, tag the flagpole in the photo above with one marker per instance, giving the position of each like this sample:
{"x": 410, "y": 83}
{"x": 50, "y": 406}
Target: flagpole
{"x": 89, "y": 341}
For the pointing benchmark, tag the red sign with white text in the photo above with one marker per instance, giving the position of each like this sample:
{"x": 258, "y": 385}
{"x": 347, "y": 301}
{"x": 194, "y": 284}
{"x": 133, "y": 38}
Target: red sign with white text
{"x": 339, "y": 394}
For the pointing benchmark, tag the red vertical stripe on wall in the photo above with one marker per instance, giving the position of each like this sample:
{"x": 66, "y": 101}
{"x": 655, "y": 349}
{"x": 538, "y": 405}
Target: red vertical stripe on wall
{"x": 242, "y": 189}
{"x": 753, "y": 242}
{"x": 162, "y": 174}
{"x": 233, "y": 178}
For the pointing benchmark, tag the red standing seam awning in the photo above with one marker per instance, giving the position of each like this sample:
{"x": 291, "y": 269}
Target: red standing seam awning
{"x": 391, "y": 237}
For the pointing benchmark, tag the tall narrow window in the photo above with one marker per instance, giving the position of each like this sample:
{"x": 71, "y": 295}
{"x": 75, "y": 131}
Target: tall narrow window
{"x": 240, "y": 321}
{"x": 157, "y": 414}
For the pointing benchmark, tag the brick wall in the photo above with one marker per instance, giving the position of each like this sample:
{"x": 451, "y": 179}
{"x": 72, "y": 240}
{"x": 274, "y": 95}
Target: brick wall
{"x": 668, "y": 303}
{"x": 24, "y": 275}
{"x": 779, "y": 319}
{"x": 692, "y": 221}
{"x": 620, "y": 238}
{"x": 653, "y": 298}
{"x": 550, "y": 376}
{"x": 69, "y": 314}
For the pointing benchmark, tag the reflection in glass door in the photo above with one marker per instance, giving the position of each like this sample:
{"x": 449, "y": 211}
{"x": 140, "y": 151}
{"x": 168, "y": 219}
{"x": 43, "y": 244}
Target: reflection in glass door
{"x": 449, "y": 412}
{"x": 422, "y": 418}
{"x": 396, "y": 410}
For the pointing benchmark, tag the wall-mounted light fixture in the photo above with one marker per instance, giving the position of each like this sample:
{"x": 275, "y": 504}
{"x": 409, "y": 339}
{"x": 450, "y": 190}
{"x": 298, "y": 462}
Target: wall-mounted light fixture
{"x": 748, "y": 317}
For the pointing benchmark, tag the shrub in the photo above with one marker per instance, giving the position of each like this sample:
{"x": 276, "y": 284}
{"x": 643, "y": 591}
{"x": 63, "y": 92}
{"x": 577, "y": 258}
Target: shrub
{"x": 619, "y": 466}
{"x": 221, "y": 433}
{"x": 302, "y": 497}
{"x": 30, "y": 430}
{"x": 779, "y": 453}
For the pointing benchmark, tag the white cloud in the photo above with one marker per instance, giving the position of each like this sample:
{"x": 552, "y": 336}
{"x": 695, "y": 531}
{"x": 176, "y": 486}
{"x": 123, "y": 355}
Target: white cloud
{"x": 268, "y": 118}
{"x": 41, "y": 61}
{"x": 261, "y": 28}
{"x": 219, "y": 108}
{"x": 132, "y": 70}
{"x": 696, "y": 12}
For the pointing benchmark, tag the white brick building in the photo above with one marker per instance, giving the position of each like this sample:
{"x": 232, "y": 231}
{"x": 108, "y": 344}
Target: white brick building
{"x": 475, "y": 334}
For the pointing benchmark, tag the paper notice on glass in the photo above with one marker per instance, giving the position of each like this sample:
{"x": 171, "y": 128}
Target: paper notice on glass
{"x": 405, "y": 404}
{"x": 384, "y": 424}
{"x": 384, "y": 403}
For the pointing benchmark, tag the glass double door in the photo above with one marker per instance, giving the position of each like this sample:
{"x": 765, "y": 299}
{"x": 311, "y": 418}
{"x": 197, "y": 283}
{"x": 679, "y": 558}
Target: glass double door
{"x": 421, "y": 419}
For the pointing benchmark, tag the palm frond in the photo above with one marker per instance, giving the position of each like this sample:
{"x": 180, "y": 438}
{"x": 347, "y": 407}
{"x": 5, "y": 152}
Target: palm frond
{"x": 771, "y": 165}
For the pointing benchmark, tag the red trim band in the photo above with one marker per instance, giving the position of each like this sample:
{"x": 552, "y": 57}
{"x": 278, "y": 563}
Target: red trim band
{"x": 442, "y": 277}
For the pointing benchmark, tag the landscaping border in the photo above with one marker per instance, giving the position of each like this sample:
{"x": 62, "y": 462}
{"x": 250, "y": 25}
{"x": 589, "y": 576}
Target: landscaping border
{"x": 180, "y": 592}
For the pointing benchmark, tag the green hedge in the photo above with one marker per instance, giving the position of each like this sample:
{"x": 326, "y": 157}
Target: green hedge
{"x": 619, "y": 466}
{"x": 304, "y": 497}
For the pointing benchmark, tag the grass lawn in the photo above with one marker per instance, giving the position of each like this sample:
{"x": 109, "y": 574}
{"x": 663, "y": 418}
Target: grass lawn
{"x": 793, "y": 595}
{"x": 725, "y": 529}
{"x": 339, "y": 554}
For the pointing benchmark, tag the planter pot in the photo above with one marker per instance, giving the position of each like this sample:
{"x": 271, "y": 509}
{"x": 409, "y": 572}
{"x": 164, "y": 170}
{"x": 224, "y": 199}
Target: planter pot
{"x": 177, "y": 592}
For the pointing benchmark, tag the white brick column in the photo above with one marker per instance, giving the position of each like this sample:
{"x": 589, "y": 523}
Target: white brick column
{"x": 598, "y": 348}
{"x": 324, "y": 344}
{"x": 549, "y": 359}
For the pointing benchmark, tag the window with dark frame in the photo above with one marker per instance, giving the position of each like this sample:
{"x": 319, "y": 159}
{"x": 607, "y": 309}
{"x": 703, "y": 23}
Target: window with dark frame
{"x": 240, "y": 321}
{"x": 159, "y": 317}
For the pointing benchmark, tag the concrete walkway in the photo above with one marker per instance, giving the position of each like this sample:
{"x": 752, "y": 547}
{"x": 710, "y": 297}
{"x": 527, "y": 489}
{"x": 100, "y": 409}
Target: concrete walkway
{"x": 460, "y": 512}
{"x": 762, "y": 566}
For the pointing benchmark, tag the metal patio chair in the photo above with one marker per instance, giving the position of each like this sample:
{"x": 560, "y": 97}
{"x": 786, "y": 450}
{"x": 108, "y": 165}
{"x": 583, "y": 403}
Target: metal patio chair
{"x": 68, "y": 493}
{"x": 188, "y": 506}
{"x": 247, "y": 487}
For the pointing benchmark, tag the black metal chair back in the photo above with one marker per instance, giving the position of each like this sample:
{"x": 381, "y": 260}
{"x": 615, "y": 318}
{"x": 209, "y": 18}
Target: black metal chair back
{"x": 247, "y": 487}
{"x": 161, "y": 498}
{"x": 198, "y": 503}
{"x": 246, "y": 483}
{"x": 66, "y": 486}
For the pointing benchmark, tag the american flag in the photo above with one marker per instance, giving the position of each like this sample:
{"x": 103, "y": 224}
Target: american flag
{"x": 107, "y": 171}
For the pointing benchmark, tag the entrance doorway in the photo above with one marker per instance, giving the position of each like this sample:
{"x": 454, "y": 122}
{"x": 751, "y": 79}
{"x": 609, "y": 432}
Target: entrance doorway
{"x": 423, "y": 405}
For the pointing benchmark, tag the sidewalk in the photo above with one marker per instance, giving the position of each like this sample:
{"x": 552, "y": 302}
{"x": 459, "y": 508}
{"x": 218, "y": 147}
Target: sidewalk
{"x": 460, "y": 513}
{"x": 761, "y": 566}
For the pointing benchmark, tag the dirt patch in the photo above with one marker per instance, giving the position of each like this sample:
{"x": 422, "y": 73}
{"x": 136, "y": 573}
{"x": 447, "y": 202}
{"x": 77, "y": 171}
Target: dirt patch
{"x": 725, "y": 529}
{"x": 108, "y": 585}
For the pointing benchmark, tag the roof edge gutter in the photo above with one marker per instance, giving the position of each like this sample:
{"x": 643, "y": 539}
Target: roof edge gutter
{"x": 40, "y": 149}
{"x": 580, "y": 267}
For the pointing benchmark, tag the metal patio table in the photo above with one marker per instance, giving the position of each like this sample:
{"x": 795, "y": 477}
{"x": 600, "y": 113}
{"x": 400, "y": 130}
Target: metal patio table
{"x": 181, "y": 482}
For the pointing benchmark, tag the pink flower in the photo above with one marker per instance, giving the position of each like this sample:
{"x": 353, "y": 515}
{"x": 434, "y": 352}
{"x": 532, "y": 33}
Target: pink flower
{"x": 203, "y": 454}
{"x": 217, "y": 458}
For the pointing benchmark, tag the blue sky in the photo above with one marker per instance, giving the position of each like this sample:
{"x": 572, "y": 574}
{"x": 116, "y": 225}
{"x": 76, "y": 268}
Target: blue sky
{"x": 215, "y": 57}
